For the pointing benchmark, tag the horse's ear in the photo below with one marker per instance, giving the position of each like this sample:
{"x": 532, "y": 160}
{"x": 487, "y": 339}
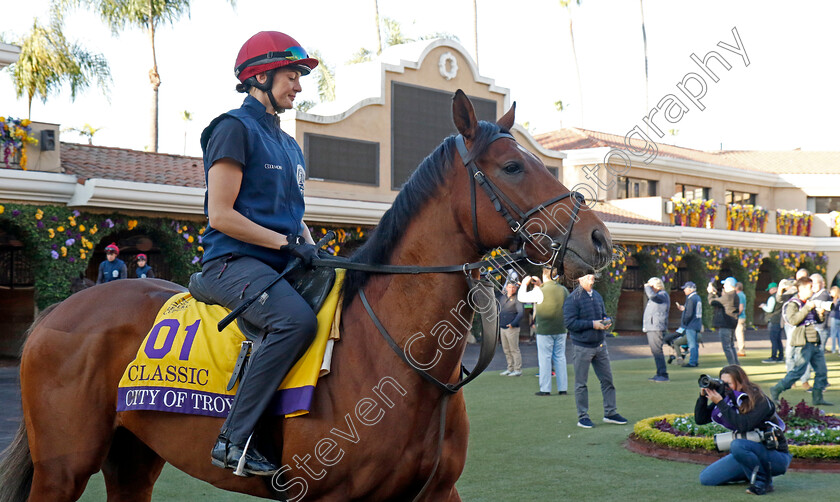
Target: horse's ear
{"x": 463, "y": 115}
{"x": 506, "y": 122}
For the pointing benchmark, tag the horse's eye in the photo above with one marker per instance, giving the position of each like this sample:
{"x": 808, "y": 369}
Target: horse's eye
{"x": 512, "y": 168}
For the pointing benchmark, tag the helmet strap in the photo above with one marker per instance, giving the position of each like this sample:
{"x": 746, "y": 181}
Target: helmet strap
{"x": 266, "y": 88}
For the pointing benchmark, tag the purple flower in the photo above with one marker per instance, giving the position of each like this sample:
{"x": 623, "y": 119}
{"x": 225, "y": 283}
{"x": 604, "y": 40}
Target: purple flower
{"x": 76, "y": 213}
{"x": 186, "y": 236}
{"x": 109, "y": 223}
{"x": 15, "y": 212}
{"x": 69, "y": 233}
{"x": 54, "y": 254}
{"x": 200, "y": 240}
{"x": 195, "y": 260}
{"x": 69, "y": 242}
{"x": 40, "y": 224}
{"x": 71, "y": 260}
{"x": 54, "y": 218}
{"x": 55, "y": 246}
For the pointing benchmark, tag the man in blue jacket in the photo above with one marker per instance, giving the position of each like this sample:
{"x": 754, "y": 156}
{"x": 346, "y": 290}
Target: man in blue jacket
{"x": 655, "y": 324}
{"x": 691, "y": 321}
{"x": 586, "y": 321}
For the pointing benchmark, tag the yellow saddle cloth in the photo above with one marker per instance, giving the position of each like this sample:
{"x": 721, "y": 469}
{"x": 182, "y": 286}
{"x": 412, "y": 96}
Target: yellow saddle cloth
{"x": 184, "y": 363}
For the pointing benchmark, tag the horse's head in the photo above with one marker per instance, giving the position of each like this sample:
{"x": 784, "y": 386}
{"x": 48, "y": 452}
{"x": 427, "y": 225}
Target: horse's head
{"x": 513, "y": 200}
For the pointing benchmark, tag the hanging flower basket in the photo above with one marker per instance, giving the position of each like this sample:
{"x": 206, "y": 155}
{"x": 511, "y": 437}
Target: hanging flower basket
{"x": 698, "y": 213}
{"x": 793, "y": 222}
{"x": 15, "y": 134}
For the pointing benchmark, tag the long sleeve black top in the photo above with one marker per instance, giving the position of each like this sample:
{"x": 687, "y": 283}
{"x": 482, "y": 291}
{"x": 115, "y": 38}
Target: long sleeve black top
{"x": 762, "y": 412}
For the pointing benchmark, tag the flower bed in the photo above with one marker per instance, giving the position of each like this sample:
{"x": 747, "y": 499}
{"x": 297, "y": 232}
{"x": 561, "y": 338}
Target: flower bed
{"x": 810, "y": 432}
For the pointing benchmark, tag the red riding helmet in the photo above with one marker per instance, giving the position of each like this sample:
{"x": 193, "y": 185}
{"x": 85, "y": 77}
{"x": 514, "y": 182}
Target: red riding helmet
{"x": 268, "y": 50}
{"x": 112, "y": 247}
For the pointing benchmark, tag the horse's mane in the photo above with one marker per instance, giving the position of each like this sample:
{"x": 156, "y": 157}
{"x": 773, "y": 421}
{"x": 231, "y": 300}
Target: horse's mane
{"x": 420, "y": 187}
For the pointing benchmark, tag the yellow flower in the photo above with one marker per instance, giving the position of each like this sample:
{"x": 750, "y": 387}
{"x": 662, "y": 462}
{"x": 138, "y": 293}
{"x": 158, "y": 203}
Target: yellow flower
{"x": 201, "y": 231}
{"x": 2, "y": 209}
{"x": 190, "y": 239}
{"x": 39, "y": 214}
{"x": 337, "y": 248}
{"x": 184, "y": 228}
{"x": 25, "y": 122}
{"x": 81, "y": 228}
{"x": 60, "y": 229}
{"x": 132, "y": 224}
{"x": 63, "y": 251}
{"x": 93, "y": 230}
{"x": 51, "y": 232}
{"x": 72, "y": 220}
{"x": 200, "y": 249}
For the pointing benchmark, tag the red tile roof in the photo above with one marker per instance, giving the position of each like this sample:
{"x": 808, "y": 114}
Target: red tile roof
{"x": 779, "y": 162}
{"x": 86, "y": 161}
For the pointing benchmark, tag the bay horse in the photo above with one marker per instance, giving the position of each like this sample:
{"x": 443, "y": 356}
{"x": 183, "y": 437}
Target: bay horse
{"x": 373, "y": 432}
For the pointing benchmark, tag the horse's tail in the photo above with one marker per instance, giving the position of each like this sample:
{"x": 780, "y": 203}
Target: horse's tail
{"x": 16, "y": 468}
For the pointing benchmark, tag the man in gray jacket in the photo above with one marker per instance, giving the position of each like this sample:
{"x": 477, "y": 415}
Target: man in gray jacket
{"x": 655, "y": 324}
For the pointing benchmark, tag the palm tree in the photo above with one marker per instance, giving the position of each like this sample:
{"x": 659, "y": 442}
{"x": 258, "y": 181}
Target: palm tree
{"x": 378, "y": 30}
{"x": 568, "y": 5}
{"x": 145, "y": 14}
{"x": 644, "y": 41}
{"x": 86, "y": 130}
{"x": 475, "y": 28}
{"x": 47, "y": 60}
{"x": 186, "y": 117}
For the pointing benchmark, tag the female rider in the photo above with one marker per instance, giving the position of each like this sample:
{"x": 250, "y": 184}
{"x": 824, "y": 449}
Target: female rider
{"x": 743, "y": 408}
{"x": 255, "y": 174}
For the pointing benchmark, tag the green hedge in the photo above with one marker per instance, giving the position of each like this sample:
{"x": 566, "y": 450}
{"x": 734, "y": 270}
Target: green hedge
{"x": 60, "y": 242}
{"x": 644, "y": 429}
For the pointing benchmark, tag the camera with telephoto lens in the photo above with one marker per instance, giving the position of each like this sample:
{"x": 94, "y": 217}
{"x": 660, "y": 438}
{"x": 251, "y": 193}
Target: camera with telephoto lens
{"x": 826, "y": 305}
{"x": 715, "y": 384}
{"x": 770, "y": 439}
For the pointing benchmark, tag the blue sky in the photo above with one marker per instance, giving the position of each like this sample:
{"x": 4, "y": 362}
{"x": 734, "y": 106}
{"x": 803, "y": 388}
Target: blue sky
{"x": 785, "y": 99}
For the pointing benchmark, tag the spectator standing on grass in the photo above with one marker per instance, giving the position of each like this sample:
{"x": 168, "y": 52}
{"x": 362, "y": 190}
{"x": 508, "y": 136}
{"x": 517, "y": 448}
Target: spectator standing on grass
{"x": 655, "y": 324}
{"x": 112, "y": 268}
{"x": 548, "y": 297}
{"x": 741, "y": 327}
{"x": 725, "y": 317}
{"x": 801, "y": 313}
{"x": 787, "y": 290}
{"x": 691, "y": 321}
{"x": 510, "y": 314}
{"x": 834, "y": 322}
{"x": 819, "y": 293}
{"x": 586, "y": 319}
{"x": 773, "y": 315}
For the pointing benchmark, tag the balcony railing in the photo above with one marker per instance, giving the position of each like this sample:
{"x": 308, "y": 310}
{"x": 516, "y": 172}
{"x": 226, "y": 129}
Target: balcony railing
{"x": 746, "y": 218}
{"x": 793, "y": 222}
{"x": 699, "y": 213}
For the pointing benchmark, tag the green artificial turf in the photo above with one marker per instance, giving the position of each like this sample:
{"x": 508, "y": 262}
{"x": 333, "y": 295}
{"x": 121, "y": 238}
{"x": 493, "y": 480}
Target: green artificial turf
{"x": 525, "y": 447}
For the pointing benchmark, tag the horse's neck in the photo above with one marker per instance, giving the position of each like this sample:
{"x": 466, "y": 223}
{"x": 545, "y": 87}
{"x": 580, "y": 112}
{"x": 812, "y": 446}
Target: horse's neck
{"x": 428, "y": 311}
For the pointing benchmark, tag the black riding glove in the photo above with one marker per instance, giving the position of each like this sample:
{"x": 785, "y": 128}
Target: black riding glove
{"x": 298, "y": 247}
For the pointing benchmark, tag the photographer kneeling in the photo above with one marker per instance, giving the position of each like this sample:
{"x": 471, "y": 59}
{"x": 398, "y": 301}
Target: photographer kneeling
{"x": 759, "y": 449}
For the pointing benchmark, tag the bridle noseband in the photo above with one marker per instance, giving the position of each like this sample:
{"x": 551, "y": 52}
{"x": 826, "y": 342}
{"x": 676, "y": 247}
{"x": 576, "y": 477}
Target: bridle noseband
{"x": 497, "y": 196}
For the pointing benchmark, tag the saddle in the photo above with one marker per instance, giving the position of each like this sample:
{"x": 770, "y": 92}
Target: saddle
{"x": 312, "y": 285}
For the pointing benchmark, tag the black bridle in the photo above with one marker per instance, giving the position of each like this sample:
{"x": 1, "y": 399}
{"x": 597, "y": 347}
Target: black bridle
{"x": 497, "y": 196}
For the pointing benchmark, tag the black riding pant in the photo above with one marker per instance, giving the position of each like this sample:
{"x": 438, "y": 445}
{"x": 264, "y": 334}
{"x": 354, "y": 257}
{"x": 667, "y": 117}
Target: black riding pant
{"x": 281, "y": 313}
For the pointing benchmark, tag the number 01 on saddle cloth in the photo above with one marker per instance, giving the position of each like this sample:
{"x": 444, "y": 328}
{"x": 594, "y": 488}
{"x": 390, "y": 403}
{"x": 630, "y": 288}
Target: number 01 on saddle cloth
{"x": 184, "y": 363}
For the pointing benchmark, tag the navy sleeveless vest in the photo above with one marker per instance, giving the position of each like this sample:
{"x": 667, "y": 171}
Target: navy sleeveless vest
{"x": 271, "y": 194}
